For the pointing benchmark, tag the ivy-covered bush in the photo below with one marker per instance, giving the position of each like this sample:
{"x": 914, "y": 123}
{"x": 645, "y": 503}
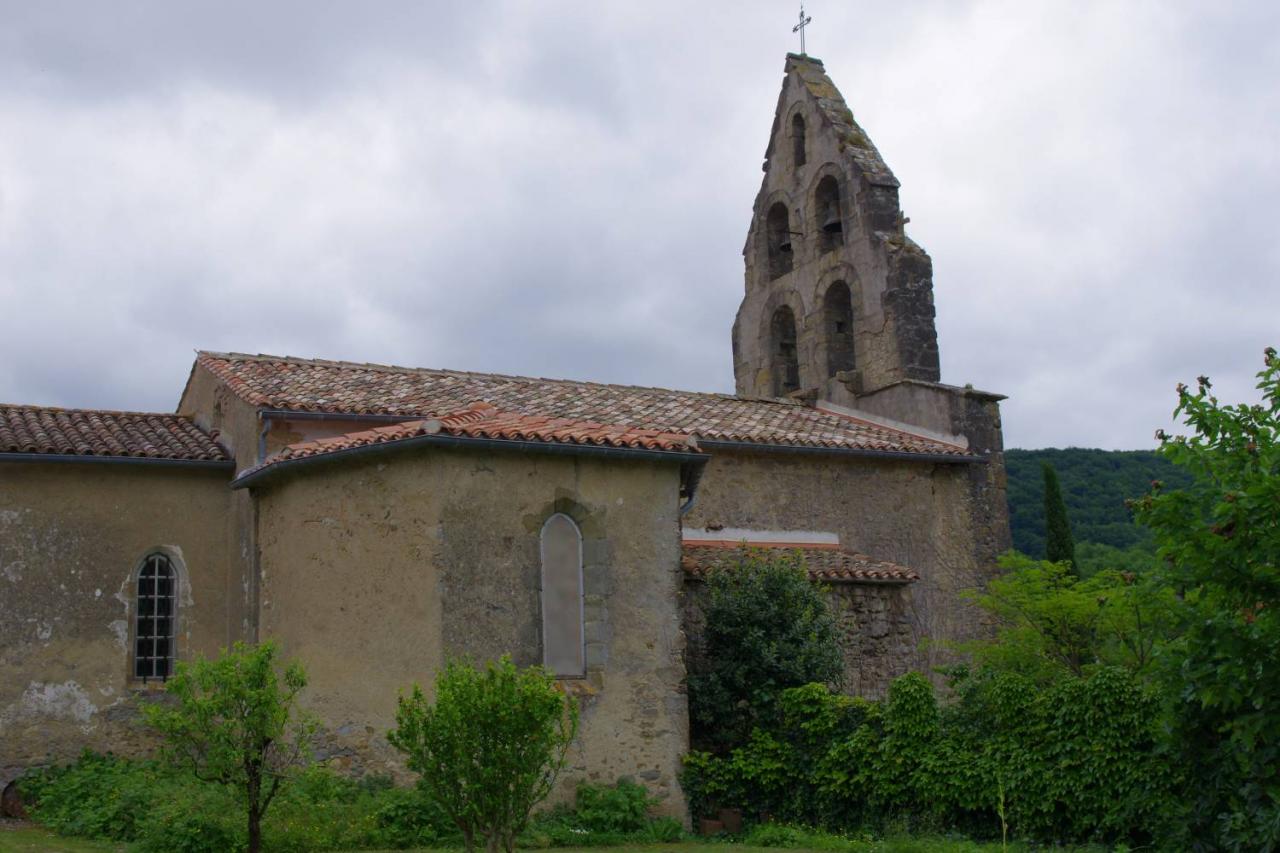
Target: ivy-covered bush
{"x": 768, "y": 628}
{"x": 1077, "y": 762}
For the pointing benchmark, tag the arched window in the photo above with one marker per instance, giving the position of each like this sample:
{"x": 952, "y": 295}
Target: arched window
{"x": 826, "y": 203}
{"x": 156, "y": 625}
{"x": 563, "y": 641}
{"x": 797, "y": 140}
{"x": 837, "y": 318}
{"x": 778, "y": 234}
{"x": 786, "y": 367}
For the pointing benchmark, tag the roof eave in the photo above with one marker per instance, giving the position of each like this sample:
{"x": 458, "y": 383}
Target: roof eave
{"x": 226, "y": 464}
{"x": 551, "y": 448}
{"x": 902, "y": 455}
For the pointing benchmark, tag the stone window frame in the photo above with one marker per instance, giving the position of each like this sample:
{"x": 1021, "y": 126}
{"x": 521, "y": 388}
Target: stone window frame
{"x": 845, "y": 273}
{"x": 542, "y": 597}
{"x": 597, "y": 574}
{"x": 790, "y": 298}
{"x": 181, "y": 599}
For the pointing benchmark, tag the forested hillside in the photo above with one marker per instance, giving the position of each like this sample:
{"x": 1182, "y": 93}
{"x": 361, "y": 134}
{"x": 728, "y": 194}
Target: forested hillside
{"x": 1095, "y": 485}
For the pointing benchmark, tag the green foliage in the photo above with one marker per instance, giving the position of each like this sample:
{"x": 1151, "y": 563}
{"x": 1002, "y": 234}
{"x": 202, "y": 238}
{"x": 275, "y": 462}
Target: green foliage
{"x": 1219, "y": 544}
{"x": 1077, "y": 761}
{"x": 1050, "y": 624}
{"x": 1095, "y": 485}
{"x": 160, "y": 808}
{"x": 768, "y": 628}
{"x": 602, "y": 816}
{"x": 489, "y": 748}
{"x": 1059, "y": 547}
{"x": 234, "y": 722}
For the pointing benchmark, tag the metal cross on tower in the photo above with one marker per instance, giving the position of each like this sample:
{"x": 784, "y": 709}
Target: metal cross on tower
{"x": 799, "y": 28}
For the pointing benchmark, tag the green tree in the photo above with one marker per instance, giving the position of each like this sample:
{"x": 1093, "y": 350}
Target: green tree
{"x": 235, "y": 722}
{"x": 1059, "y": 547}
{"x": 768, "y": 628}
{"x": 1052, "y": 624}
{"x": 1219, "y": 543}
{"x": 489, "y": 748}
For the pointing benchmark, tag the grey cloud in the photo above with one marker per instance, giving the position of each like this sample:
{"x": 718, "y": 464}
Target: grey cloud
{"x": 563, "y": 190}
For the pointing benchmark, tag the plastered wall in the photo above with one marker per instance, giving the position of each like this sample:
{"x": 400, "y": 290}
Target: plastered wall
{"x": 375, "y": 571}
{"x": 71, "y": 537}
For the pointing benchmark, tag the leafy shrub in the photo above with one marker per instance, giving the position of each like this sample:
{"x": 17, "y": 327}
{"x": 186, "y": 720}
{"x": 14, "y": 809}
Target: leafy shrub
{"x": 603, "y": 815}
{"x": 1077, "y": 762}
{"x": 768, "y": 628}
{"x": 622, "y": 808}
{"x": 157, "y": 809}
{"x": 489, "y": 748}
{"x": 235, "y": 722}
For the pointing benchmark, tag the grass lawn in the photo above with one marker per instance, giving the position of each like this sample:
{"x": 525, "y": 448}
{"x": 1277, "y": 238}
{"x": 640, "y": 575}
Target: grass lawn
{"x": 24, "y": 838}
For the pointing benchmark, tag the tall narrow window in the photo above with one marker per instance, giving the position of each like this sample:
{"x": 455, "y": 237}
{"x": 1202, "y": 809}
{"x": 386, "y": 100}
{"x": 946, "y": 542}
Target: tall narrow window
{"x": 797, "y": 140}
{"x": 154, "y": 632}
{"x": 563, "y": 643}
{"x": 778, "y": 233}
{"x": 837, "y": 311}
{"x": 786, "y": 366}
{"x": 830, "y": 217}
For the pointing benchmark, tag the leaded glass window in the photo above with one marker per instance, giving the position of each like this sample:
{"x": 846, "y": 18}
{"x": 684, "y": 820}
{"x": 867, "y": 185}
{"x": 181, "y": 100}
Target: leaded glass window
{"x": 155, "y": 629}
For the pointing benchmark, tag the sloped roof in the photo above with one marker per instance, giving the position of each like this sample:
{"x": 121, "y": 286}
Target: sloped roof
{"x": 37, "y": 430}
{"x": 483, "y": 421}
{"x": 338, "y": 387}
{"x": 824, "y": 563}
{"x": 836, "y": 114}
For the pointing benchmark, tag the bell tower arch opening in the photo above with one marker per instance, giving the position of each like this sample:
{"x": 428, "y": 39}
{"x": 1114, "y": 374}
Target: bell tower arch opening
{"x": 827, "y": 207}
{"x": 786, "y": 361}
{"x": 778, "y": 236}
{"x": 837, "y": 323}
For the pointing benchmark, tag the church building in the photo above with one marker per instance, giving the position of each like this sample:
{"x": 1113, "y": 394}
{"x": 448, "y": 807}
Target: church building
{"x": 377, "y": 521}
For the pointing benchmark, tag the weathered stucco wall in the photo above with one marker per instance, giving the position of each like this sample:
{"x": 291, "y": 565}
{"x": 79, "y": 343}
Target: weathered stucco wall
{"x": 377, "y": 570}
{"x": 914, "y": 513}
{"x": 235, "y": 424}
{"x": 71, "y": 538}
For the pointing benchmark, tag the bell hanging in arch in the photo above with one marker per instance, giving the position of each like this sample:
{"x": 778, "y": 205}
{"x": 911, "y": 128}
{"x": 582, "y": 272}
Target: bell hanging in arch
{"x": 831, "y": 218}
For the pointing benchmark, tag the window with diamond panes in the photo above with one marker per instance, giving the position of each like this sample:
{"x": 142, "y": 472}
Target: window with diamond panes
{"x": 157, "y": 608}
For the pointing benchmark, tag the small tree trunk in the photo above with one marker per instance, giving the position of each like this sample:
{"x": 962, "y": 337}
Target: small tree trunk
{"x": 255, "y": 829}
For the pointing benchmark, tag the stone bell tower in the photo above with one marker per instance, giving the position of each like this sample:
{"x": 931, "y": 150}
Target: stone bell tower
{"x": 839, "y": 301}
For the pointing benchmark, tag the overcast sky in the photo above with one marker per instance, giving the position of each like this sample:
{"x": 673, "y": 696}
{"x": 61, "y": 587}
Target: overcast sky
{"x": 563, "y": 189}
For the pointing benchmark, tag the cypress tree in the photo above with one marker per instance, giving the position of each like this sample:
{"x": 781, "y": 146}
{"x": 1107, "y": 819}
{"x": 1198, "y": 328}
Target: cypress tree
{"x": 1059, "y": 547}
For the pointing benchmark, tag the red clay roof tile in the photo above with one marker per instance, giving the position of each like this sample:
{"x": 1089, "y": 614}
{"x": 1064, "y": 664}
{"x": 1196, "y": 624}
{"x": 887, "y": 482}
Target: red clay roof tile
{"x": 296, "y": 384}
{"x": 484, "y": 421}
{"x": 824, "y": 563}
{"x": 94, "y": 433}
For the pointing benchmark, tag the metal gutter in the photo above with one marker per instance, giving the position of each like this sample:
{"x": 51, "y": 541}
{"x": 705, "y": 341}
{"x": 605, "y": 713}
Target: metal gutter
{"x": 437, "y": 440}
{"x": 798, "y": 449}
{"x": 118, "y": 460}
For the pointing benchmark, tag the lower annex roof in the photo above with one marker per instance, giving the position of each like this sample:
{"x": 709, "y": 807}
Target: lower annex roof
{"x": 41, "y": 431}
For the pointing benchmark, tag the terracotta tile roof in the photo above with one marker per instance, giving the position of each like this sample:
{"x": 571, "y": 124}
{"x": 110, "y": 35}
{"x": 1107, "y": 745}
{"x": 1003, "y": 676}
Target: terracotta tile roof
{"x": 824, "y": 562}
{"x": 92, "y": 433}
{"x": 296, "y": 384}
{"x": 485, "y": 421}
